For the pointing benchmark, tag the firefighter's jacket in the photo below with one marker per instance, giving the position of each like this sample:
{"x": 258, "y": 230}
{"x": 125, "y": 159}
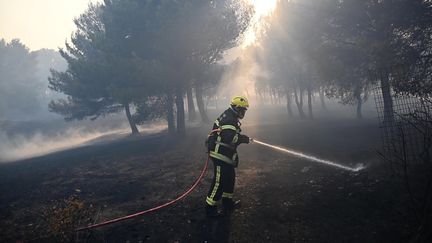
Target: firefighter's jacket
{"x": 225, "y": 138}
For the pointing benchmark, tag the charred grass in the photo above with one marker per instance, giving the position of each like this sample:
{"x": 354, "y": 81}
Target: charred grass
{"x": 284, "y": 199}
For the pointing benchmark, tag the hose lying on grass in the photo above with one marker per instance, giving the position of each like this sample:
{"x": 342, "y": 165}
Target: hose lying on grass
{"x": 292, "y": 152}
{"x": 112, "y": 221}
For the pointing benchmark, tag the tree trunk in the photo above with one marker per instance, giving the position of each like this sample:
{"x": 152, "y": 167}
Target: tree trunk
{"x": 131, "y": 122}
{"x": 261, "y": 99}
{"x": 191, "y": 105}
{"x": 216, "y": 102}
{"x": 359, "y": 108}
{"x": 170, "y": 115}
{"x": 322, "y": 99}
{"x": 272, "y": 98}
{"x": 357, "y": 94}
{"x": 387, "y": 99}
{"x": 299, "y": 103}
{"x": 181, "y": 125}
{"x": 309, "y": 92}
{"x": 200, "y": 103}
{"x": 279, "y": 96}
{"x": 288, "y": 99}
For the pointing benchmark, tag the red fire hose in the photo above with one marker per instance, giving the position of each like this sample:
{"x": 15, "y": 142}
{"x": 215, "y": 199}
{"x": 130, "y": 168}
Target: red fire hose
{"x": 151, "y": 209}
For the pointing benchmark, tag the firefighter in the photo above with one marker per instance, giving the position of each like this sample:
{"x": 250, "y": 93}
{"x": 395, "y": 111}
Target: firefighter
{"x": 222, "y": 145}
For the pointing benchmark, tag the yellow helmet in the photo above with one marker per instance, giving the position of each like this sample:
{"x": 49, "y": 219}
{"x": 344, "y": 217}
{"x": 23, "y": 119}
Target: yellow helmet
{"x": 239, "y": 105}
{"x": 240, "y": 102}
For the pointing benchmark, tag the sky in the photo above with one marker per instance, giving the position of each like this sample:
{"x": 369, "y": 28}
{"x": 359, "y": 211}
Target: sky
{"x": 40, "y": 23}
{"x": 49, "y": 23}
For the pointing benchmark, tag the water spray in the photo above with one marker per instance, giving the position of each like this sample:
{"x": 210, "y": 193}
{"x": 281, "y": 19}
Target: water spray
{"x": 312, "y": 158}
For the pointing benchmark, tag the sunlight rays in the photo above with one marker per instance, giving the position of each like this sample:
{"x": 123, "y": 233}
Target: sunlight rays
{"x": 262, "y": 10}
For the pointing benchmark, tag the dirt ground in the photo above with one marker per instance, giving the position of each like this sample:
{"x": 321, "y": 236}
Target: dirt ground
{"x": 284, "y": 199}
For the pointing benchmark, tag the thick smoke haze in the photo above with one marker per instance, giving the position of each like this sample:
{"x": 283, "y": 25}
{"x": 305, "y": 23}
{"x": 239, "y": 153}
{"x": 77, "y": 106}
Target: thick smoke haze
{"x": 22, "y": 147}
{"x": 254, "y": 67}
{"x": 24, "y": 92}
{"x": 17, "y": 146}
{"x": 150, "y": 103}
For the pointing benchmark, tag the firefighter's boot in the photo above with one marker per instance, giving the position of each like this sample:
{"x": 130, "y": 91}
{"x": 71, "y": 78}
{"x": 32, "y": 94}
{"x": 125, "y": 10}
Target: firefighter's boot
{"x": 212, "y": 211}
{"x": 229, "y": 205}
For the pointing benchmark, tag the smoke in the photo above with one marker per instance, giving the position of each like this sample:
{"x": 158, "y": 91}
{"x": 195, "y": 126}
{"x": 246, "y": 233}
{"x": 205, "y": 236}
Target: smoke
{"x": 21, "y": 146}
{"x": 239, "y": 78}
{"x": 244, "y": 65}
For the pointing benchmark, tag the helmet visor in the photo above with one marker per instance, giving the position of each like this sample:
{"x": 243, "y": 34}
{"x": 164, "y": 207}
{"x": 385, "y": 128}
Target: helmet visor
{"x": 241, "y": 112}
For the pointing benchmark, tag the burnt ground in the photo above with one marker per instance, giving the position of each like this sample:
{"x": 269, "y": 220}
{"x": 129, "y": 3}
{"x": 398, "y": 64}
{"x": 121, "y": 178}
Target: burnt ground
{"x": 284, "y": 199}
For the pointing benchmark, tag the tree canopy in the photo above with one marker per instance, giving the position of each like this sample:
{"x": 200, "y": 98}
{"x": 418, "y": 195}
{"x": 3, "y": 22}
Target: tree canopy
{"x": 142, "y": 53}
{"x": 336, "y": 45}
{"x": 23, "y": 80}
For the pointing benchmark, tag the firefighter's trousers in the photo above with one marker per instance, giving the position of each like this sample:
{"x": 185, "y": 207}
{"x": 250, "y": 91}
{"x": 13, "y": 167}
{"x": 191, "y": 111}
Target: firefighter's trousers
{"x": 222, "y": 185}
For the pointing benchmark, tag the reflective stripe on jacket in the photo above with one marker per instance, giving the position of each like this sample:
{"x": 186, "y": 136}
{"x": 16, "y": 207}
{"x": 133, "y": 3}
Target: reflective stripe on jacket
{"x": 228, "y": 130}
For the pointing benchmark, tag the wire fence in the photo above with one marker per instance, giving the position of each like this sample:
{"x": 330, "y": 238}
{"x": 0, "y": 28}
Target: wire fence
{"x": 404, "y": 122}
{"x": 404, "y": 103}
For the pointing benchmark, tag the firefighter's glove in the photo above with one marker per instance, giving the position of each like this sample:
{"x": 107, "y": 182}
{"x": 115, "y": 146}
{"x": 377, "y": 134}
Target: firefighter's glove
{"x": 251, "y": 140}
{"x": 243, "y": 138}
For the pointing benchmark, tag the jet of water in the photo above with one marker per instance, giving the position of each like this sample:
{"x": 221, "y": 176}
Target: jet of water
{"x": 312, "y": 158}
